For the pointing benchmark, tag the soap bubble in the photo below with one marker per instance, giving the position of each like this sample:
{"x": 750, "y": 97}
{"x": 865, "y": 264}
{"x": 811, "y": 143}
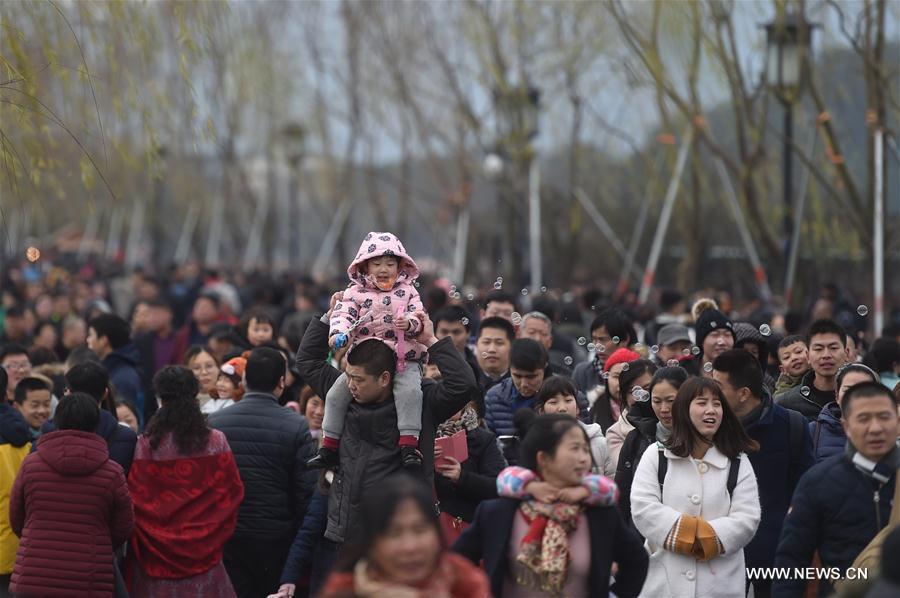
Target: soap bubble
{"x": 524, "y": 292}
{"x": 707, "y": 367}
{"x": 713, "y": 324}
{"x": 582, "y": 341}
{"x": 591, "y": 346}
{"x": 465, "y": 321}
{"x": 672, "y": 363}
{"x": 625, "y": 367}
{"x": 601, "y": 348}
{"x": 862, "y": 310}
{"x": 765, "y": 330}
{"x": 605, "y": 375}
{"x": 636, "y": 391}
{"x": 654, "y": 349}
{"x": 452, "y": 288}
{"x": 615, "y": 340}
{"x": 686, "y": 352}
{"x": 470, "y": 296}
{"x": 804, "y": 390}
{"x": 516, "y": 318}
{"x": 543, "y": 289}
{"x": 696, "y": 350}
{"x": 568, "y": 360}
{"x": 498, "y": 285}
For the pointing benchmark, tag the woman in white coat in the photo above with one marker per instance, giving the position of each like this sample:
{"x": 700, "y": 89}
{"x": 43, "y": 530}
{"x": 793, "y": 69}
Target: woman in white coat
{"x": 695, "y": 501}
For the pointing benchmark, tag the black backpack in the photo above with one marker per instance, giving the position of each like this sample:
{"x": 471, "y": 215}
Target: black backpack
{"x": 733, "y": 468}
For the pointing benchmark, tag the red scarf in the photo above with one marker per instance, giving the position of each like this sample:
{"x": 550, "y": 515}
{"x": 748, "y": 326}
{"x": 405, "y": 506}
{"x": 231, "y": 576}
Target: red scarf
{"x": 184, "y": 511}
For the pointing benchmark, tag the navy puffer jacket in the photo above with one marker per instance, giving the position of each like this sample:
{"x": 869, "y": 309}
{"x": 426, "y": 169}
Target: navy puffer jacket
{"x": 503, "y": 400}
{"x": 836, "y": 510}
{"x": 827, "y": 432}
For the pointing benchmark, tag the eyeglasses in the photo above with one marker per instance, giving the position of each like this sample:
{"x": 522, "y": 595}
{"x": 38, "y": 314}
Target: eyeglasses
{"x": 204, "y": 368}
{"x": 17, "y": 365}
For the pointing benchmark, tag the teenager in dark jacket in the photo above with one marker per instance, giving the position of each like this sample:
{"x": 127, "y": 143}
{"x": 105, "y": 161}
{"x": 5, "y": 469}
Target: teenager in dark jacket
{"x": 109, "y": 336}
{"x": 462, "y": 486}
{"x": 271, "y": 445}
{"x": 784, "y": 455}
{"x": 91, "y": 378}
{"x": 587, "y": 540}
{"x": 369, "y": 452}
{"x": 827, "y": 353}
{"x": 69, "y": 499}
{"x": 842, "y": 503}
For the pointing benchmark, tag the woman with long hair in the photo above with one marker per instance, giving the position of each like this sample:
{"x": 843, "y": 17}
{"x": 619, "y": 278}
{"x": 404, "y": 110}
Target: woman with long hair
{"x": 555, "y": 544}
{"x": 179, "y": 536}
{"x": 651, "y": 415}
{"x": 400, "y": 551}
{"x": 696, "y": 500}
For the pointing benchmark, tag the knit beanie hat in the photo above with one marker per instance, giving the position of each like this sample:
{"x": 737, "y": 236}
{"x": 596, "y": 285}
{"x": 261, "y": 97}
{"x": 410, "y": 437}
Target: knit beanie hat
{"x": 708, "y": 318}
{"x": 619, "y": 356}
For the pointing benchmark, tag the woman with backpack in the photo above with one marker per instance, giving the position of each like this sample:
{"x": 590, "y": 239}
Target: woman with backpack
{"x": 652, "y": 413}
{"x": 696, "y": 500}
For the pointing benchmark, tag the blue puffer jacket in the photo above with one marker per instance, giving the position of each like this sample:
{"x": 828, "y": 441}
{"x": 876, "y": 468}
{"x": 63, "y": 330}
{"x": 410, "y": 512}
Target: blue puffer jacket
{"x": 835, "y": 511}
{"x": 827, "y": 432}
{"x": 503, "y": 400}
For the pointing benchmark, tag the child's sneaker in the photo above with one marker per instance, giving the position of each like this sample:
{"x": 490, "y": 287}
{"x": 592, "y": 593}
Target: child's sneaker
{"x": 411, "y": 458}
{"x": 325, "y": 458}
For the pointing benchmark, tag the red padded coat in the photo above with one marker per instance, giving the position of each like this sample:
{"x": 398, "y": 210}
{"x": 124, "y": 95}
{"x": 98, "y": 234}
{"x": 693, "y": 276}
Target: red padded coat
{"x": 69, "y": 506}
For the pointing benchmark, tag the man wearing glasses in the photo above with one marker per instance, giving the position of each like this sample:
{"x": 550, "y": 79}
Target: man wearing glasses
{"x": 14, "y": 359}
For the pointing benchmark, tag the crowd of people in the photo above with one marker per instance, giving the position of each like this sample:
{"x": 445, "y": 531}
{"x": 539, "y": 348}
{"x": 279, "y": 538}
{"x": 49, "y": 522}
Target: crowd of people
{"x": 205, "y": 434}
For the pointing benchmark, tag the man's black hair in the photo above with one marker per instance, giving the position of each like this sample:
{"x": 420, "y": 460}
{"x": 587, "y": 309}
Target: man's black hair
{"x": 113, "y": 327}
{"x": 12, "y": 349}
{"x": 790, "y": 340}
{"x": 617, "y": 323}
{"x": 743, "y": 370}
{"x": 374, "y": 356}
{"x": 500, "y": 297}
{"x": 81, "y": 355}
{"x": 16, "y": 311}
{"x": 90, "y": 378}
{"x": 498, "y": 323}
{"x": 865, "y": 390}
{"x": 452, "y": 313}
{"x": 265, "y": 367}
{"x": 884, "y": 354}
{"x": 77, "y": 411}
{"x": 527, "y": 354}
{"x": 669, "y": 298}
{"x": 30, "y": 384}
{"x": 826, "y": 327}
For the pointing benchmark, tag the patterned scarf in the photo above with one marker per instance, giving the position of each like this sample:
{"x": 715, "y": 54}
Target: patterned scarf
{"x": 468, "y": 421}
{"x": 543, "y": 559}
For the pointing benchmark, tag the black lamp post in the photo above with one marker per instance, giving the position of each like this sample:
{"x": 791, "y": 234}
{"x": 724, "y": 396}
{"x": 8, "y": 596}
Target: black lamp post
{"x": 788, "y": 39}
{"x": 294, "y": 140}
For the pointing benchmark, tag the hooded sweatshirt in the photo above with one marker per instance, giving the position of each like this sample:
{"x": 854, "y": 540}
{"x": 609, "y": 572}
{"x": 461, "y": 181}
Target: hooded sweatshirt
{"x": 68, "y": 499}
{"x": 375, "y": 309}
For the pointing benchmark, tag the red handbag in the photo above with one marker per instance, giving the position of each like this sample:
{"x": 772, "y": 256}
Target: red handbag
{"x": 452, "y": 527}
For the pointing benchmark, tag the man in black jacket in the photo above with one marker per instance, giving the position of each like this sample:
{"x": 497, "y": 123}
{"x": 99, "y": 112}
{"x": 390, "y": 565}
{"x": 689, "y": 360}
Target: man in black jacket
{"x": 369, "y": 451}
{"x": 842, "y": 503}
{"x": 271, "y": 445}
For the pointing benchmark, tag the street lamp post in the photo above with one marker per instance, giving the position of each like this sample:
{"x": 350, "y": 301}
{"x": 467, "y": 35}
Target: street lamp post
{"x": 788, "y": 39}
{"x": 519, "y": 112}
{"x": 294, "y": 140}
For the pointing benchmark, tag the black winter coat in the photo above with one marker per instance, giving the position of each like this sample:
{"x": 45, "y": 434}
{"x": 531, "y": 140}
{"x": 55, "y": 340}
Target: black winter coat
{"x": 795, "y": 399}
{"x": 611, "y": 541}
{"x": 836, "y": 510}
{"x": 369, "y": 451}
{"x": 477, "y": 480}
{"x": 271, "y": 445}
{"x": 120, "y": 440}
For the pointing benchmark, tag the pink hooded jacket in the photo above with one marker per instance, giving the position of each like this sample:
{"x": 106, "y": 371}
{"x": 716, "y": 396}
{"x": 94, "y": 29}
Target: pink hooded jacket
{"x": 363, "y": 300}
